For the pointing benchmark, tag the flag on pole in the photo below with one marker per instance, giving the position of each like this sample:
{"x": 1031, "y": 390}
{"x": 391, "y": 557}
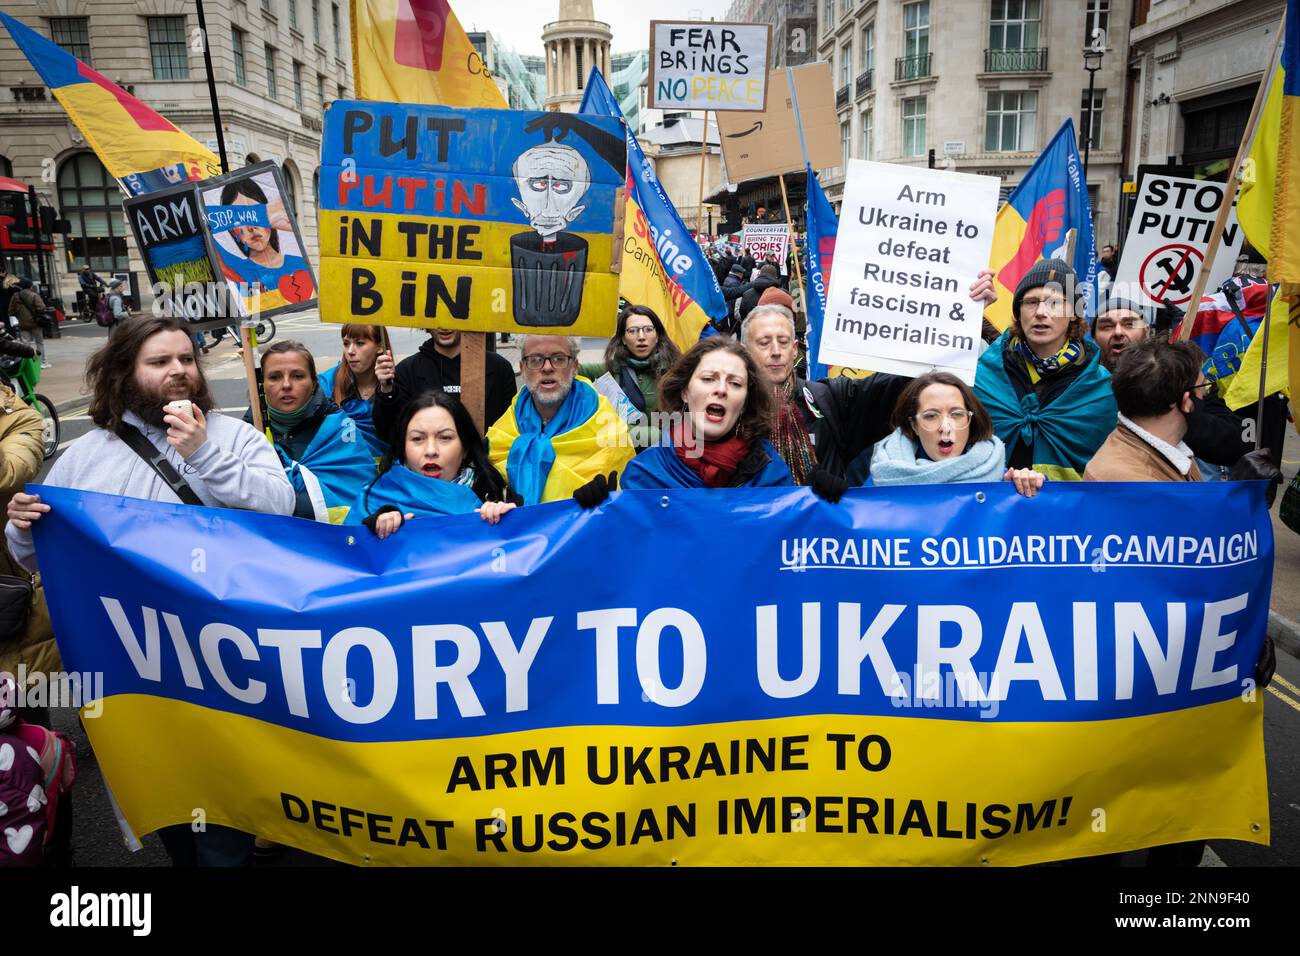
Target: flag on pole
{"x": 141, "y": 149}
{"x": 664, "y": 268}
{"x": 1268, "y": 209}
{"x": 416, "y": 51}
{"x": 1037, "y": 221}
{"x": 819, "y": 250}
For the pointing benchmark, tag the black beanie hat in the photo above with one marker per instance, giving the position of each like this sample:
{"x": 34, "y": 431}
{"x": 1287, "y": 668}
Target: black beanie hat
{"x": 1055, "y": 272}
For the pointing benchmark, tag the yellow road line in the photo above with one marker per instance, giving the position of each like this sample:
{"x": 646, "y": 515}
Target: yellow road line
{"x": 1283, "y": 697}
{"x": 1279, "y": 679}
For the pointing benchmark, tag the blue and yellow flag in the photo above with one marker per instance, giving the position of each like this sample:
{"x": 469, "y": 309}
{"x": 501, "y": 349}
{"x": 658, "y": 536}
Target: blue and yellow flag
{"x": 141, "y": 149}
{"x": 1268, "y": 209}
{"x": 819, "y": 251}
{"x": 416, "y": 51}
{"x": 662, "y": 265}
{"x": 1036, "y": 222}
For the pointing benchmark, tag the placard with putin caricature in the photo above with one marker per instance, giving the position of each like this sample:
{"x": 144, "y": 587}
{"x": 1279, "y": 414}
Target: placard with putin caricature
{"x": 481, "y": 220}
{"x": 260, "y": 252}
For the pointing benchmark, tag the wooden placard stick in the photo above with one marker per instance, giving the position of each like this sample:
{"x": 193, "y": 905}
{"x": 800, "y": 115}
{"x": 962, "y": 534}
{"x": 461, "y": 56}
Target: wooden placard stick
{"x": 473, "y": 376}
{"x": 620, "y": 226}
{"x": 794, "y": 247}
{"x": 1230, "y": 193}
{"x": 704, "y": 152}
{"x": 247, "y": 344}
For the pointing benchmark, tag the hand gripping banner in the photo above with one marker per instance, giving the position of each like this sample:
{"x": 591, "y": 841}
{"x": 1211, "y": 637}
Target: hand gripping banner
{"x": 925, "y": 675}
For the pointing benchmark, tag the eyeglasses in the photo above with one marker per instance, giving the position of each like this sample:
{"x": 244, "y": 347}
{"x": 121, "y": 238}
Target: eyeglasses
{"x": 1055, "y": 304}
{"x": 1202, "y": 388}
{"x": 931, "y": 420}
{"x": 1128, "y": 325}
{"x": 558, "y": 362}
{"x": 640, "y": 330}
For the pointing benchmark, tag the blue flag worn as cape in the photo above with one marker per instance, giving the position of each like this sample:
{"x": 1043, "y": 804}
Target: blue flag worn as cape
{"x": 413, "y": 493}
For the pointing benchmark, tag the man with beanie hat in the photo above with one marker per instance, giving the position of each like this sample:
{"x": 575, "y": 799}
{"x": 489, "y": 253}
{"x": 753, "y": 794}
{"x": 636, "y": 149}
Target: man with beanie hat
{"x": 777, "y": 296}
{"x": 1213, "y": 430}
{"x": 1043, "y": 381}
{"x": 768, "y": 277}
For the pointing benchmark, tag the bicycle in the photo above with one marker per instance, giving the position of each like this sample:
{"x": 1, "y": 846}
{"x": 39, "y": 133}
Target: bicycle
{"x": 264, "y": 330}
{"x": 25, "y": 371}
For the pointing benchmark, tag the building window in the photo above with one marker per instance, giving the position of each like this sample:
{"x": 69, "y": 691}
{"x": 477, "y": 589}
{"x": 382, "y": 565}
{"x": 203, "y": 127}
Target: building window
{"x": 168, "y": 48}
{"x": 338, "y": 34}
{"x": 1090, "y": 122}
{"x": 73, "y": 34}
{"x": 266, "y": 7}
{"x": 271, "y": 90}
{"x": 866, "y": 134}
{"x": 290, "y": 191}
{"x": 90, "y": 200}
{"x": 869, "y": 47}
{"x": 293, "y": 14}
{"x": 1010, "y": 124}
{"x": 578, "y": 60}
{"x": 297, "y": 84}
{"x": 320, "y": 90}
{"x": 916, "y": 29}
{"x": 914, "y": 126}
{"x": 315, "y": 20}
{"x": 343, "y": 92}
{"x": 241, "y": 68}
{"x": 6, "y": 167}
{"x": 1013, "y": 25}
{"x": 844, "y": 145}
{"x": 1097, "y": 18}
{"x": 846, "y": 64}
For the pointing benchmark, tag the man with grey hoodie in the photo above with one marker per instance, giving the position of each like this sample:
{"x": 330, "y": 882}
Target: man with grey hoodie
{"x": 148, "y": 390}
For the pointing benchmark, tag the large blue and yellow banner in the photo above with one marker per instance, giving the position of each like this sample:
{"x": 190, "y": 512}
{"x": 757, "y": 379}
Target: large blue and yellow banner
{"x": 484, "y": 220}
{"x": 921, "y": 675}
{"x": 139, "y": 147}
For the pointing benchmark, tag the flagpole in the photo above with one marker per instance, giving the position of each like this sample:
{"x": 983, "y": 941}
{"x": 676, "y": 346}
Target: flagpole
{"x": 212, "y": 89}
{"x": 1230, "y": 188}
{"x": 803, "y": 148}
{"x": 704, "y": 152}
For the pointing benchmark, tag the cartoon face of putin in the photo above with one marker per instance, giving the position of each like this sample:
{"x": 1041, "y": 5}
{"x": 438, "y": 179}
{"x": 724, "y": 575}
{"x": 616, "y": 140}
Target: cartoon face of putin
{"x": 549, "y": 264}
{"x": 551, "y": 179}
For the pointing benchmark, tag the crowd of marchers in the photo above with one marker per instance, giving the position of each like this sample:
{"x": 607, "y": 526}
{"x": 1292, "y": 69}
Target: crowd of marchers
{"x": 376, "y": 442}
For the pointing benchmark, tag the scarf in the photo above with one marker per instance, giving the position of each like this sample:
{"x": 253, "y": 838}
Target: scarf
{"x": 899, "y": 460}
{"x": 284, "y": 422}
{"x": 531, "y": 455}
{"x": 713, "y": 461}
{"x": 791, "y": 437}
{"x": 414, "y": 493}
{"x": 1065, "y": 433}
{"x": 631, "y": 387}
{"x": 1069, "y": 353}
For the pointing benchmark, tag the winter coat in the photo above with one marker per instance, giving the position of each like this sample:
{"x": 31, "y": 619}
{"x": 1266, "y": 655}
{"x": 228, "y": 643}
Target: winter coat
{"x": 428, "y": 370}
{"x": 27, "y": 306}
{"x": 1126, "y": 456}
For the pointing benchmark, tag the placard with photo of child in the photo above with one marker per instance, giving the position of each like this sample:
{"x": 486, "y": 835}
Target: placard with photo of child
{"x": 259, "y": 247}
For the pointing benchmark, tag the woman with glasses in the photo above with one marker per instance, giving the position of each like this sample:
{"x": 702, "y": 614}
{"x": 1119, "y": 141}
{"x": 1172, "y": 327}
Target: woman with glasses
{"x": 1043, "y": 382}
{"x": 637, "y": 355}
{"x": 943, "y": 435}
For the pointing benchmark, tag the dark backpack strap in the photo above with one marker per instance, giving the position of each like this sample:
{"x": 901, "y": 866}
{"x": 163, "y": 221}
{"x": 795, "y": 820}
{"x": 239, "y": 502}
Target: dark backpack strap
{"x": 158, "y": 462}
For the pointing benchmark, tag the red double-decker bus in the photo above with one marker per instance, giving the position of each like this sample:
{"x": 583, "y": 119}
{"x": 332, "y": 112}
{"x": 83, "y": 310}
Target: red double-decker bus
{"x": 19, "y": 251}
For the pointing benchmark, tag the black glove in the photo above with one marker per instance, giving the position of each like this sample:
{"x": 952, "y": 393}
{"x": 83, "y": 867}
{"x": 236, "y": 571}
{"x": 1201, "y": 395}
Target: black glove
{"x": 1258, "y": 466}
{"x": 828, "y": 486}
{"x": 370, "y": 522}
{"x": 596, "y": 490}
{"x": 1266, "y": 666}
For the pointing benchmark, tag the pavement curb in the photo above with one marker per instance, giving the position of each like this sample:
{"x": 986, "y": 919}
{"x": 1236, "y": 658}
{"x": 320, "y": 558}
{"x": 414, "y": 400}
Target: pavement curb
{"x": 73, "y": 406}
{"x": 1285, "y": 633}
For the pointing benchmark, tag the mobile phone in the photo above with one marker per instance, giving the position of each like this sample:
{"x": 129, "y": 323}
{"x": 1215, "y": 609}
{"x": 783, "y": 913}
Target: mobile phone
{"x": 181, "y": 405}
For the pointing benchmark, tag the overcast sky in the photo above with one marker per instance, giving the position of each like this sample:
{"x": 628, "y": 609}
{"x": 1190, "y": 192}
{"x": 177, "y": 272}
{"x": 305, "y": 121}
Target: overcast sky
{"x": 518, "y": 23}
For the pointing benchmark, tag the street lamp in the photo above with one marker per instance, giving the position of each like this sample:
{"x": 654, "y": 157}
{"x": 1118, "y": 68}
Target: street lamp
{"x": 1092, "y": 63}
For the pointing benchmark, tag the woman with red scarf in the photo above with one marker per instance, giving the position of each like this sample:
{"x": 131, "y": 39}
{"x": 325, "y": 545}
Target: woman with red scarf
{"x": 719, "y": 436}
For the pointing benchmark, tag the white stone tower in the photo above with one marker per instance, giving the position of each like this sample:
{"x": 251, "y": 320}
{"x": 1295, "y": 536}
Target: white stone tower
{"x": 575, "y": 42}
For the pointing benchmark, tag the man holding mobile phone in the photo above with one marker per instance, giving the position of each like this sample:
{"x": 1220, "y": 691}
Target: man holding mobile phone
{"x": 157, "y": 438}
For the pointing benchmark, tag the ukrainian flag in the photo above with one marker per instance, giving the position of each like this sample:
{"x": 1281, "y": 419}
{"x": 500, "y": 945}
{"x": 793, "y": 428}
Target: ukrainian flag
{"x": 139, "y": 148}
{"x": 1268, "y": 209}
{"x": 416, "y": 51}
{"x": 1036, "y": 223}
